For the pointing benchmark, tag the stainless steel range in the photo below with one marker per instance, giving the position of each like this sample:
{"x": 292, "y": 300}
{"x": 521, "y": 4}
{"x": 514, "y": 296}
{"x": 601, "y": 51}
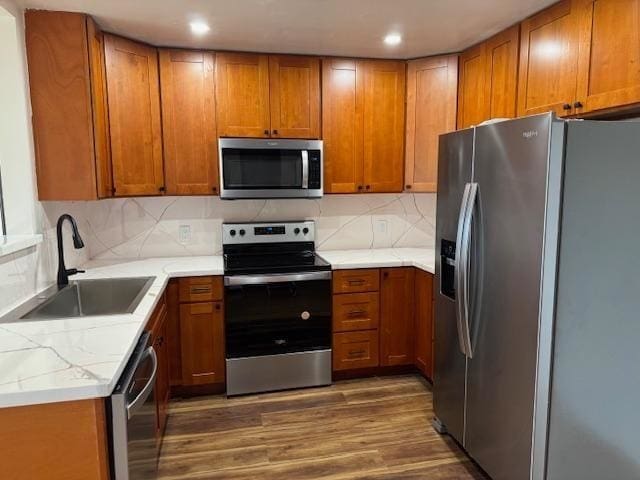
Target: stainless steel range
{"x": 277, "y": 307}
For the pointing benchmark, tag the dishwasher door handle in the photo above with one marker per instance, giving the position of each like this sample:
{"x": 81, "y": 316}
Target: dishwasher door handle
{"x": 141, "y": 398}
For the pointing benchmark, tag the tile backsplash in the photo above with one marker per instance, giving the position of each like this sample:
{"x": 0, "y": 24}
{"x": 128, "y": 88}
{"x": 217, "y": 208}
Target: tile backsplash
{"x": 177, "y": 226}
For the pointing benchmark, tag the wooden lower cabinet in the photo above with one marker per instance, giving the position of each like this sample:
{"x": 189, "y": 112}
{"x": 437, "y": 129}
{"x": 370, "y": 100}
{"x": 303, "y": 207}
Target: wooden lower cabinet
{"x": 353, "y": 350}
{"x": 202, "y": 343}
{"x": 423, "y": 327}
{"x": 396, "y": 316}
{"x": 158, "y": 325}
{"x": 55, "y": 441}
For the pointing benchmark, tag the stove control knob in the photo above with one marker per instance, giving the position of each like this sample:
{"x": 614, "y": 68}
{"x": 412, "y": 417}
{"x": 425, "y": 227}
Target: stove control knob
{"x": 305, "y": 230}
{"x": 296, "y": 231}
{"x": 232, "y": 233}
{"x": 242, "y": 232}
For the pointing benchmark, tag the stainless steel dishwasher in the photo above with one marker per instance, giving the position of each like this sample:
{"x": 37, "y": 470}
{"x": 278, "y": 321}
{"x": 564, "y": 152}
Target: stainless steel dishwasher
{"x": 132, "y": 408}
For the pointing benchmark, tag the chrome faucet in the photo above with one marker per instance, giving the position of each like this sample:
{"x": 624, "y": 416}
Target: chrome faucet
{"x": 63, "y": 272}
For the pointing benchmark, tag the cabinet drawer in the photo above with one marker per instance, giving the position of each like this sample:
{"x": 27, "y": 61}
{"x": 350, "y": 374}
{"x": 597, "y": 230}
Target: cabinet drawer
{"x": 200, "y": 289}
{"x": 355, "y": 350}
{"x": 353, "y": 281}
{"x": 356, "y": 311}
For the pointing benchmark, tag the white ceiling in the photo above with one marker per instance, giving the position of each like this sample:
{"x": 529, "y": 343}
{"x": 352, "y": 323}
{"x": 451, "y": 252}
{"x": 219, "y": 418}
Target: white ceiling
{"x": 323, "y": 27}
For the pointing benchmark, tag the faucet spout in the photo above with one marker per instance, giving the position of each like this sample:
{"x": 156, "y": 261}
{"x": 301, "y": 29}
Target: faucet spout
{"x": 63, "y": 272}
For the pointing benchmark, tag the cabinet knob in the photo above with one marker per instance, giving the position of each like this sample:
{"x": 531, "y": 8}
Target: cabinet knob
{"x": 214, "y": 189}
{"x": 567, "y": 106}
{"x": 385, "y": 275}
{"x": 217, "y": 306}
{"x": 359, "y": 187}
{"x": 266, "y": 132}
{"x": 368, "y": 187}
{"x": 275, "y": 132}
{"x": 162, "y": 189}
{"x": 578, "y": 105}
{"x": 408, "y": 187}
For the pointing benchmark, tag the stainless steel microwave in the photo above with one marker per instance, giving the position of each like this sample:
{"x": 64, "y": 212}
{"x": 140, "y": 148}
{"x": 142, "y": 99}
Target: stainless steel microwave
{"x": 270, "y": 168}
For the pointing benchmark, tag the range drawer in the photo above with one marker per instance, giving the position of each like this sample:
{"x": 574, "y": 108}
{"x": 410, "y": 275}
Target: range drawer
{"x": 200, "y": 289}
{"x": 355, "y": 350}
{"x": 356, "y": 311}
{"x": 354, "y": 281}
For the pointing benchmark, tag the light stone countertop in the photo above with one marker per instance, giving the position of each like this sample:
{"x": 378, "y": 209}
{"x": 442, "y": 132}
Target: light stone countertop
{"x": 68, "y": 359}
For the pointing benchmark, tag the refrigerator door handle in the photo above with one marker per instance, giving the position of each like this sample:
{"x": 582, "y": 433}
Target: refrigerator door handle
{"x": 465, "y": 263}
{"x": 458, "y": 269}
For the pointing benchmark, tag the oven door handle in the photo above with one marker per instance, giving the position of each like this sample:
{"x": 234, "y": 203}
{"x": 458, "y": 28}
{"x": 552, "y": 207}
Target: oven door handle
{"x": 236, "y": 280}
{"x": 137, "y": 402}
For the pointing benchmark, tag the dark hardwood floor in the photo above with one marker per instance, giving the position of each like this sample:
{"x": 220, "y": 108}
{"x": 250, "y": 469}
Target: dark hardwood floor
{"x": 376, "y": 428}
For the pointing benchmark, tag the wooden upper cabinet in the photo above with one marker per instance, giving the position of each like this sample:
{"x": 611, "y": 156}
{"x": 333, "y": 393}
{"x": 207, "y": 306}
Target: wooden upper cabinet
{"x": 342, "y": 127}
{"x": 242, "y": 95}
{"x": 501, "y": 74}
{"x": 432, "y": 87}
{"x": 189, "y": 122}
{"x": 548, "y": 61}
{"x": 471, "y": 87}
{"x": 134, "y": 117}
{"x": 294, "y": 93}
{"x": 383, "y": 118}
{"x": 397, "y": 316}
{"x": 609, "y": 58}
{"x": 70, "y": 128}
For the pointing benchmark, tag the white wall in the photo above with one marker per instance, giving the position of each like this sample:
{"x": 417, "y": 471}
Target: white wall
{"x": 16, "y": 140}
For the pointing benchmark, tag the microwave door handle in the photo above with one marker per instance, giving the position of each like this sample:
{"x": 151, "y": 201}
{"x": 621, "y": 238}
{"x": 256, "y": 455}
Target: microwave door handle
{"x": 137, "y": 402}
{"x": 305, "y": 169}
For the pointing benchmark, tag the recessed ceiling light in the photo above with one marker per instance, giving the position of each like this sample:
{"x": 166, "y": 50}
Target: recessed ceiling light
{"x": 199, "y": 28}
{"x": 393, "y": 39}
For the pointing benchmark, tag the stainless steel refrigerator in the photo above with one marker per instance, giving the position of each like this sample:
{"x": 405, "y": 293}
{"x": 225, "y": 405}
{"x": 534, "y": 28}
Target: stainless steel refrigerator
{"x": 537, "y": 313}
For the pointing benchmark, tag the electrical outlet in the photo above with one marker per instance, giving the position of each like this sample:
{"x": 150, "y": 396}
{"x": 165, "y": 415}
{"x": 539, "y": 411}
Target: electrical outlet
{"x": 184, "y": 234}
{"x": 381, "y": 226}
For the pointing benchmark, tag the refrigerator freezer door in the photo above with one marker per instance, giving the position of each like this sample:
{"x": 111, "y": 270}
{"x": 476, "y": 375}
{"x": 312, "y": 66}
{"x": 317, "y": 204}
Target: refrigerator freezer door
{"x": 454, "y": 172}
{"x": 595, "y": 392}
{"x": 510, "y": 168}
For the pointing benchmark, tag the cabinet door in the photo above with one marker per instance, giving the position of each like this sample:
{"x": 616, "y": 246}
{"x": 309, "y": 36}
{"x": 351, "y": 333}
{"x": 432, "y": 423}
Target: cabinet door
{"x": 202, "y": 343}
{"x": 501, "y": 73}
{"x": 242, "y": 95}
{"x": 102, "y": 147}
{"x": 342, "y": 124}
{"x": 432, "y": 87}
{"x": 174, "y": 349}
{"x": 134, "y": 117}
{"x": 60, "y": 87}
{"x": 471, "y": 87}
{"x": 548, "y": 61}
{"x": 423, "y": 329}
{"x": 396, "y": 316}
{"x": 384, "y": 93}
{"x": 294, "y": 93}
{"x": 162, "y": 379}
{"x": 608, "y": 66}
{"x": 189, "y": 122}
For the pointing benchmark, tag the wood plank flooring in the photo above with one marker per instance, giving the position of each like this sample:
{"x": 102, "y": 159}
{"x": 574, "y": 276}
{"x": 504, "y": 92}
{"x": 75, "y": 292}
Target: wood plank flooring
{"x": 369, "y": 429}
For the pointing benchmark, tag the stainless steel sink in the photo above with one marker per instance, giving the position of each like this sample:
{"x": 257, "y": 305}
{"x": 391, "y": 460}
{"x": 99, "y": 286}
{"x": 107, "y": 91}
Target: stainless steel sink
{"x": 84, "y": 298}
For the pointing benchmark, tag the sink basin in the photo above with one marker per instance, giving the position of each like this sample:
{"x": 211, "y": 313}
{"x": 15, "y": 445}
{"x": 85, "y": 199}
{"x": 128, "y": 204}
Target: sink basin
{"x": 84, "y": 298}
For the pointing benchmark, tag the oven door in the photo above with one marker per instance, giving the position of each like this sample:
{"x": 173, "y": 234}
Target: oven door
{"x": 270, "y": 169}
{"x": 277, "y": 314}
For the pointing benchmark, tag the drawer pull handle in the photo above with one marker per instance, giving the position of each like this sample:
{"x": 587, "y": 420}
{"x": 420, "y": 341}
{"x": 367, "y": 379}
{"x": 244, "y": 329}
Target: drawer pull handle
{"x": 356, "y": 282}
{"x": 355, "y": 313}
{"x": 200, "y": 289}
{"x": 353, "y": 353}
